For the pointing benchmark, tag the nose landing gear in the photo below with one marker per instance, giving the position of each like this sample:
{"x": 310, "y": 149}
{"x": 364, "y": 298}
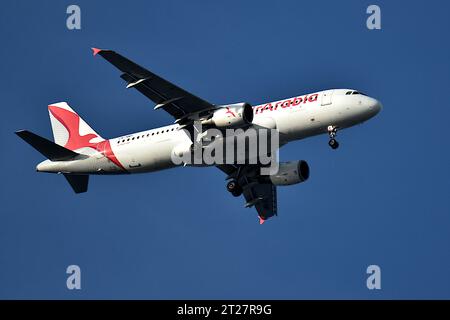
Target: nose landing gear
{"x": 332, "y": 131}
{"x": 234, "y": 188}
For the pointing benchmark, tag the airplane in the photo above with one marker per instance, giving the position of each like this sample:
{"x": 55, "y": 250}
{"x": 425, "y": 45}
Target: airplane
{"x": 78, "y": 151}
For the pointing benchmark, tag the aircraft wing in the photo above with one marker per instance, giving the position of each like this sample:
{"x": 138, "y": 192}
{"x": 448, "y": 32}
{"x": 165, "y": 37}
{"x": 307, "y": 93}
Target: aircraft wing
{"x": 175, "y": 100}
{"x": 257, "y": 192}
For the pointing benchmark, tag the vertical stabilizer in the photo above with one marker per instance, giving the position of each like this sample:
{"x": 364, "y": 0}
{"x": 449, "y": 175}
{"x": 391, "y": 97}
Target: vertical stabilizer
{"x": 69, "y": 129}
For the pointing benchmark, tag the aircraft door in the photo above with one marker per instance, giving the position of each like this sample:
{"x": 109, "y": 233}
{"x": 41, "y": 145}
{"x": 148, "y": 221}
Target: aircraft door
{"x": 327, "y": 97}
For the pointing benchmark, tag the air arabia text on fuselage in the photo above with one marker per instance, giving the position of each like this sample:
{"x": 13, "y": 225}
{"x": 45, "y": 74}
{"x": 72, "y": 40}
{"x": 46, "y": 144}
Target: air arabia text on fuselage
{"x": 283, "y": 104}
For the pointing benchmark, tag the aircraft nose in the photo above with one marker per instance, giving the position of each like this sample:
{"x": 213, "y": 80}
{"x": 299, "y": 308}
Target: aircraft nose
{"x": 378, "y": 106}
{"x": 375, "y": 106}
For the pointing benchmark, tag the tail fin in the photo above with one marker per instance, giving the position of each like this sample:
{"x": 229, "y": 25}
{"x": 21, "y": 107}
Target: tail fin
{"x": 69, "y": 130}
{"x": 47, "y": 148}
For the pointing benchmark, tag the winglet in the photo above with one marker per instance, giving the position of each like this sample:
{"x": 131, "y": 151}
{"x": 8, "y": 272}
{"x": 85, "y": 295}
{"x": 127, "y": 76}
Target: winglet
{"x": 95, "y": 51}
{"x": 261, "y": 220}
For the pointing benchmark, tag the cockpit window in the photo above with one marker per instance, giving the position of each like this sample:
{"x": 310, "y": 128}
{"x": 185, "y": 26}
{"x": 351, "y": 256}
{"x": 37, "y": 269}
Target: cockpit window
{"x": 348, "y": 92}
{"x": 357, "y": 92}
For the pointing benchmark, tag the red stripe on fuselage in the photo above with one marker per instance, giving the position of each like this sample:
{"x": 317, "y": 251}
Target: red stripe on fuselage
{"x": 105, "y": 148}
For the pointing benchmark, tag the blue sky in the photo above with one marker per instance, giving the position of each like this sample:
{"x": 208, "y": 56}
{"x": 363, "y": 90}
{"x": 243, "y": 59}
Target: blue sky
{"x": 381, "y": 198}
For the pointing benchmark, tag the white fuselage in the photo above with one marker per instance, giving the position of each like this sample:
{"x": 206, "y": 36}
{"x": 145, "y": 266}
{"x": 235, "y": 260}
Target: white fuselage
{"x": 295, "y": 118}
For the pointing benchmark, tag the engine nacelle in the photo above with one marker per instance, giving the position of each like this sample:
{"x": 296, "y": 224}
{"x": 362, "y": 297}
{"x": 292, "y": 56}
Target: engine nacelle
{"x": 292, "y": 172}
{"x": 231, "y": 116}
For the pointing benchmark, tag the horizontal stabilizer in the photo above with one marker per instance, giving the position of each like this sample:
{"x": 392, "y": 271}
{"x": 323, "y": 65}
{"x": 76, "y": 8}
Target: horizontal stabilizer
{"x": 49, "y": 149}
{"x": 79, "y": 183}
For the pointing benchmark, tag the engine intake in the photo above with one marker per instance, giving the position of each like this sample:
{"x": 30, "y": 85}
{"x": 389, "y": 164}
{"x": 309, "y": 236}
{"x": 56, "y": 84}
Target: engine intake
{"x": 231, "y": 116}
{"x": 292, "y": 172}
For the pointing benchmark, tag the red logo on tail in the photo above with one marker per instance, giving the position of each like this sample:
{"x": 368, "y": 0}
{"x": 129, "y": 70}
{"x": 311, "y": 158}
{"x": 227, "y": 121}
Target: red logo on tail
{"x": 71, "y": 121}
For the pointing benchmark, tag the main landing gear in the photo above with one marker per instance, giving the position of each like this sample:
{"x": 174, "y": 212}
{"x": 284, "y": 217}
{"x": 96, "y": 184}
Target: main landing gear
{"x": 234, "y": 188}
{"x": 332, "y": 130}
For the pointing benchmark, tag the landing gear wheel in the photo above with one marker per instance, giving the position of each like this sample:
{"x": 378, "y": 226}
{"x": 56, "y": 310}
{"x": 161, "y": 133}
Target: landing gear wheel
{"x": 234, "y": 188}
{"x": 332, "y": 131}
{"x": 333, "y": 144}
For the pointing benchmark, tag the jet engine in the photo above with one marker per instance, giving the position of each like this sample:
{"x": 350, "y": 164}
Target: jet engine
{"x": 291, "y": 172}
{"x": 231, "y": 116}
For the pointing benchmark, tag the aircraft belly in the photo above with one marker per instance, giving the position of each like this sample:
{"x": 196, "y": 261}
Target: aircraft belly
{"x": 302, "y": 124}
{"x": 145, "y": 157}
{"x": 161, "y": 155}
